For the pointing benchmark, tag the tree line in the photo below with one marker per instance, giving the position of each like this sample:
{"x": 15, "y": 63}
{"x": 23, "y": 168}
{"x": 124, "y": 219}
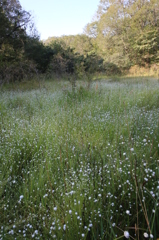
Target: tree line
{"x": 22, "y": 54}
{"x": 123, "y": 33}
{"x": 126, "y": 32}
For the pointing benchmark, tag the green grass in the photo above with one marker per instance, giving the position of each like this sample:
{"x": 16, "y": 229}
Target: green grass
{"x": 80, "y": 165}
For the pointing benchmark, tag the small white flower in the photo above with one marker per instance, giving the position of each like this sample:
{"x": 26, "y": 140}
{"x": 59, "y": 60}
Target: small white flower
{"x": 151, "y": 236}
{"x": 131, "y": 149}
{"x": 64, "y": 227}
{"x": 83, "y": 235}
{"x": 70, "y": 211}
{"x": 127, "y": 212}
{"x": 55, "y": 208}
{"x": 45, "y": 195}
{"x": 126, "y": 234}
{"x": 146, "y": 179}
{"x": 146, "y": 235}
{"x": 11, "y": 232}
{"x": 21, "y": 197}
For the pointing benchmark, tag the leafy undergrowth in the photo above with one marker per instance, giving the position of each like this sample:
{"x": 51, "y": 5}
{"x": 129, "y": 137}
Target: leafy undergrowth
{"x": 82, "y": 165}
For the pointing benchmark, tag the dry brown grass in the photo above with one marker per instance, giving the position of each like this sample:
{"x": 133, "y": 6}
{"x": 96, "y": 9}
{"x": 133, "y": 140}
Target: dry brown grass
{"x": 152, "y": 71}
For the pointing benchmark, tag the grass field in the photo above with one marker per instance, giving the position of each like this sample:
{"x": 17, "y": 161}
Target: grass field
{"x": 82, "y": 165}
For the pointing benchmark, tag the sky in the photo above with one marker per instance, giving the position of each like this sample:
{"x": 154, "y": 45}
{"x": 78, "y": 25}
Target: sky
{"x": 60, "y": 17}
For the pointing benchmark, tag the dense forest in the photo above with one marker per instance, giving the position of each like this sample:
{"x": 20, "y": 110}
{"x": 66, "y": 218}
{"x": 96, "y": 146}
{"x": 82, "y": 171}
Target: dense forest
{"x": 121, "y": 35}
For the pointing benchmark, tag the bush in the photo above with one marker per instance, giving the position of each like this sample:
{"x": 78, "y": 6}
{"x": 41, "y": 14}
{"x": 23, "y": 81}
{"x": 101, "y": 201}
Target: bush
{"x": 17, "y": 71}
{"x": 111, "y": 69}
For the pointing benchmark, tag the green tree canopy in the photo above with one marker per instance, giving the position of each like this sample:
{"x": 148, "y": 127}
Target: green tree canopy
{"x": 126, "y": 32}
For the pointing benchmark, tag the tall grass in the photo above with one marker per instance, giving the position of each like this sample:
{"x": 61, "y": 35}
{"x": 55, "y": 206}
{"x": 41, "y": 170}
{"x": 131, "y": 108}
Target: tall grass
{"x": 80, "y": 165}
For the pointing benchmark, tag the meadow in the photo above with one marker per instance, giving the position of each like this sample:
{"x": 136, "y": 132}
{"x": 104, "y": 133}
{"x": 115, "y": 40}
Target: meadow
{"x": 80, "y": 165}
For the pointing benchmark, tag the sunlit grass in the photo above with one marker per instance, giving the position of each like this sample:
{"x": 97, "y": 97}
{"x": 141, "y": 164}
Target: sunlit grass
{"x": 80, "y": 165}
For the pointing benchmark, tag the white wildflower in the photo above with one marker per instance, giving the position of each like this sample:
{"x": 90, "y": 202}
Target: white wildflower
{"x": 45, "y": 195}
{"x": 126, "y": 234}
{"x": 127, "y": 212}
{"x": 21, "y": 197}
{"x": 64, "y": 227}
{"x": 55, "y": 208}
{"x": 146, "y": 235}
